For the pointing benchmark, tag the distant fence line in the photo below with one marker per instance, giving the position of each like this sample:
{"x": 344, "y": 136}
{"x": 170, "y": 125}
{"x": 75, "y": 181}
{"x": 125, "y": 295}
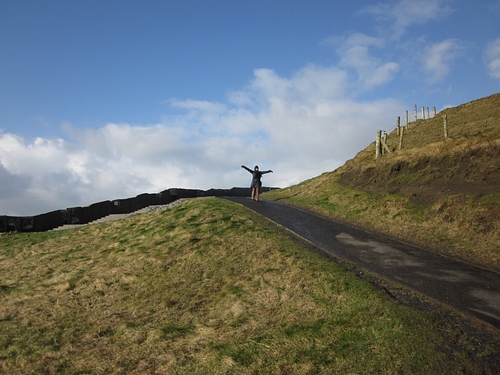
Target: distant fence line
{"x": 85, "y": 215}
{"x": 381, "y": 140}
{"x": 423, "y": 117}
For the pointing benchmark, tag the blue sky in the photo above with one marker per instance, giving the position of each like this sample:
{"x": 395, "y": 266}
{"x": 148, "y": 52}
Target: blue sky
{"x": 109, "y": 99}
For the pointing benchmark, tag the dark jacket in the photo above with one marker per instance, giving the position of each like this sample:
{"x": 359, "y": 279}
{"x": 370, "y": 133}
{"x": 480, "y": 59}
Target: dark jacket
{"x": 256, "y": 176}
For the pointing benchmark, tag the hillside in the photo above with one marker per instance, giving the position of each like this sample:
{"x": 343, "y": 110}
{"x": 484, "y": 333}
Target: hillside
{"x": 430, "y": 167}
{"x": 440, "y": 194}
{"x": 187, "y": 291}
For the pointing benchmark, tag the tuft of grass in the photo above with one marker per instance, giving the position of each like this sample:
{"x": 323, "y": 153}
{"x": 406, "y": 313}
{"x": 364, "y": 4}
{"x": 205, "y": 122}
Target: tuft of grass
{"x": 206, "y": 288}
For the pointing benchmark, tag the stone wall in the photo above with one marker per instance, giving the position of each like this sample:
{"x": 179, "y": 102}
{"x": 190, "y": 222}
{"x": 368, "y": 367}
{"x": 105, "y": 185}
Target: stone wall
{"x": 84, "y": 215}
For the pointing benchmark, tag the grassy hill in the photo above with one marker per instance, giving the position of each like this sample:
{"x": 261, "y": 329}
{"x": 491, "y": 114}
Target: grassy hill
{"x": 439, "y": 194}
{"x": 209, "y": 287}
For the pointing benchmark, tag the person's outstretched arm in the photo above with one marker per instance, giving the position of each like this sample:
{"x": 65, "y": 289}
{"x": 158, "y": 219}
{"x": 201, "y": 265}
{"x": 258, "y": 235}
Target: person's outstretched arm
{"x": 248, "y": 169}
{"x": 269, "y": 171}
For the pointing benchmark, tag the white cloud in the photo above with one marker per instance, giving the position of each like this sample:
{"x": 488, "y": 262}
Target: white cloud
{"x": 405, "y": 13}
{"x": 493, "y": 58}
{"x": 201, "y": 105}
{"x": 41, "y": 156}
{"x": 438, "y": 57}
{"x": 299, "y": 126}
{"x": 354, "y": 52}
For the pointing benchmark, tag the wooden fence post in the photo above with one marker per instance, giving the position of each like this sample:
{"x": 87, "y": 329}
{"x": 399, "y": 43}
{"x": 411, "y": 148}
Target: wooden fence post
{"x": 445, "y": 123}
{"x": 385, "y": 148}
{"x": 401, "y": 138}
{"x": 434, "y": 110}
{"x": 399, "y": 125}
{"x": 377, "y": 143}
{"x": 415, "y": 111}
{"x": 428, "y": 114}
{"x": 423, "y": 113}
{"x": 407, "y": 124}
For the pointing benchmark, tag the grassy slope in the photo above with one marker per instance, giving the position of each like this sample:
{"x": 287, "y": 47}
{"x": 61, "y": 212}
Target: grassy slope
{"x": 208, "y": 288}
{"x": 443, "y": 195}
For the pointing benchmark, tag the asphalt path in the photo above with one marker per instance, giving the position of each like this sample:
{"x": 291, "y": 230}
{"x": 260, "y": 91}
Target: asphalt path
{"x": 472, "y": 290}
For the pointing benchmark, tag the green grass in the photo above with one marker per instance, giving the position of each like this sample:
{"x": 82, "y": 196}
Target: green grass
{"x": 206, "y": 288}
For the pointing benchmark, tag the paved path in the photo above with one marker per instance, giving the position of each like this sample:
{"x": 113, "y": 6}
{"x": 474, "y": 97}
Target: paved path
{"x": 464, "y": 287}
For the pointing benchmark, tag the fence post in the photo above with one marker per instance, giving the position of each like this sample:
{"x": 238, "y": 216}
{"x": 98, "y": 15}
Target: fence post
{"x": 399, "y": 125}
{"x": 434, "y": 110}
{"x": 415, "y": 111}
{"x": 445, "y": 123}
{"x": 401, "y": 138}
{"x": 423, "y": 113}
{"x": 383, "y": 145}
{"x": 428, "y": 114}
{"x": 407, "y": 124}
{"x": 377, "y": 143}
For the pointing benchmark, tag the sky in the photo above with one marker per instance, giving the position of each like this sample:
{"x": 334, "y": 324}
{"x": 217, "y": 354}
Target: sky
{"x": 108, "y": 99}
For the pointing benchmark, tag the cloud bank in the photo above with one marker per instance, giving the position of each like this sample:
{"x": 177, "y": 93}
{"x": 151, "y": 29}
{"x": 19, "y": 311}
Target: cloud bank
{"x": 299, "y": 126}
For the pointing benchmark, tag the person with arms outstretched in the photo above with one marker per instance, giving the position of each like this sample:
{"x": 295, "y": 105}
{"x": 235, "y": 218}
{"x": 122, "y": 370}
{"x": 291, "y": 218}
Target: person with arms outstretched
{"x": 256, "y": 182}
